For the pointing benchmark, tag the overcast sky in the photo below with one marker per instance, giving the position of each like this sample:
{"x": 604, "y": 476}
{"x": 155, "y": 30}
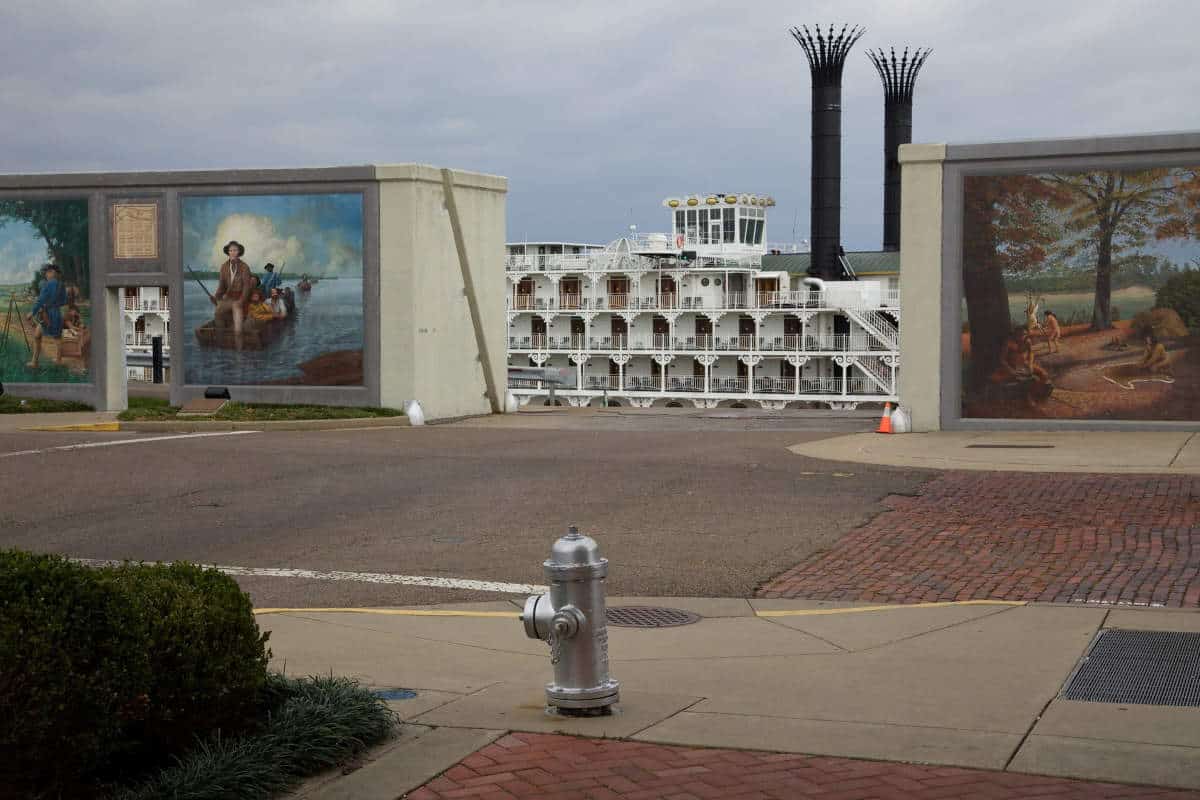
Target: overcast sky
{"x": 595, "y": 111}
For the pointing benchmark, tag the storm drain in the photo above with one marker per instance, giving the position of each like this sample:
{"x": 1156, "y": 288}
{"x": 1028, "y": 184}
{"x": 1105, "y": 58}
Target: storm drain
{"x": 1160, "y": 668}
{"x": 1014, "y": 446}
{"x": 649, "y": 617}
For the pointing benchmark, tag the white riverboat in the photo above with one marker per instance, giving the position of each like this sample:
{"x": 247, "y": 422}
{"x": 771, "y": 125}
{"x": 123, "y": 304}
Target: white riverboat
{"x": 708, "y": 314}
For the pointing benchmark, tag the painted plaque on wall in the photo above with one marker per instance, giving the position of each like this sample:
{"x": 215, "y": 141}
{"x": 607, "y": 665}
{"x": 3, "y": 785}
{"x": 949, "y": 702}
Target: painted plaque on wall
{"x": 45, "y": 286}
{"x": 1081, "y": 295}
{"x": 273, "y": 289}
{"x": 135, "y": 231}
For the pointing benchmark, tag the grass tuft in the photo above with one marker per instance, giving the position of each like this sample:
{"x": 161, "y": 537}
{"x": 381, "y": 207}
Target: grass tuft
{"x": 320, "y": 722}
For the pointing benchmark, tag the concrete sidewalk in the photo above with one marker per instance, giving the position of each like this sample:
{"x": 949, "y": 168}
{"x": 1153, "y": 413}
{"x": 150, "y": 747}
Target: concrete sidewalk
{"x": 1172, "y": 453}
{"x": 962, "y": 684}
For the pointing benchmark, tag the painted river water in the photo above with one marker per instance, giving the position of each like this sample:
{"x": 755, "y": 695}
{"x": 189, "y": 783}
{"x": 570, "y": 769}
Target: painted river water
{"x": 329, "y": 319}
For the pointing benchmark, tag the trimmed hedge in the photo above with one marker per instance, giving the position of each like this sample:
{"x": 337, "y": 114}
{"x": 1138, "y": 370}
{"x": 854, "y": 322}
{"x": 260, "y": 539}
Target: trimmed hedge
{"x": 107, "y": 669}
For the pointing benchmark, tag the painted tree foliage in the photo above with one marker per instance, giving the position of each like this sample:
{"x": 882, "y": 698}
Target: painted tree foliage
{"x": 63, "y": 224}
{"x": 1009, "y": 226}
{"x": 1109, "y": 213}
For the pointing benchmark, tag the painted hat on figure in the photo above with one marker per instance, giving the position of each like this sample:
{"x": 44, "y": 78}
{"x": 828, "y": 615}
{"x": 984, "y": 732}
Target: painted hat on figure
{"x": 241, "y": 249}
{"x": 269, "y": 267}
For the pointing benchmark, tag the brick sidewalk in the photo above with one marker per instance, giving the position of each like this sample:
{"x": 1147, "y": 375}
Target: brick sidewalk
{"x": 1018, "y": 536}
{"x": 527, "y": 765}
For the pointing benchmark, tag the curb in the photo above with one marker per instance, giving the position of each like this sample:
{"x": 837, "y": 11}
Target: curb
{"x": 196, "y": 426}
{"x": 83, "y": 426}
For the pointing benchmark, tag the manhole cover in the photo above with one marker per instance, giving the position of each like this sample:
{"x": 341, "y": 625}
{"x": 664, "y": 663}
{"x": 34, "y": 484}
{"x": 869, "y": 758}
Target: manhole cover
{"x": 1160, "y": 668}
{"x": 650, "y": 617}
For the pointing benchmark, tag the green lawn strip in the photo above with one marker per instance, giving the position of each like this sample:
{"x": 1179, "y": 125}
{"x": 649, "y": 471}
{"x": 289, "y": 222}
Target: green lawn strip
{"x": 266, "y": 412}
{"x": 35, "y": 405}
{"x": 148, "y": 408}
{"x": 322, "y": 722}
{"x": 154, "y": 409}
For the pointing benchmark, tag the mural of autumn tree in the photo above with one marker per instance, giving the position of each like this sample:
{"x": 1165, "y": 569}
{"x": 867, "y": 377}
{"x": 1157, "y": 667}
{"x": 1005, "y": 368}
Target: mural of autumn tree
{"x": 1112, "y": 212}
{"x": 63, "y": 224}
{"x": 1008, "y": 227}
{"x": 1045, "y": 259}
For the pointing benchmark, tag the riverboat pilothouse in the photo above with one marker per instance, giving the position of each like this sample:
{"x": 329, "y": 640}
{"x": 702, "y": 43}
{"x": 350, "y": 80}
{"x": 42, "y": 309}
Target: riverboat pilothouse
{"x": 709, "y": 313}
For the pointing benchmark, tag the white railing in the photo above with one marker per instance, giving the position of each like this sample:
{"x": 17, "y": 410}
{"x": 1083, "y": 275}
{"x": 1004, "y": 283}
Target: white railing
{"x": 667, "y": 301}
{"x": 144, "y": 340}
{"x": 601, "y": 382}
{"x": 857, "y": 341}
{"x": 883, "y": 332}
{"x": 550, "y": 262}
{"x": 570, "y": 301}
{"x": 787, "y": 247}
{"x": 759, "y": 386}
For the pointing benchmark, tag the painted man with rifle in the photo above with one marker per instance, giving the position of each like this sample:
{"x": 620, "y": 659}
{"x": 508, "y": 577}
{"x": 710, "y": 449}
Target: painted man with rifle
{"x": 233, "y": 289}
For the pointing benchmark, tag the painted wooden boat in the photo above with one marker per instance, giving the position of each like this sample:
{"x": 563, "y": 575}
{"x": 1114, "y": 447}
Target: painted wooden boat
{"x": 255, "y": 335}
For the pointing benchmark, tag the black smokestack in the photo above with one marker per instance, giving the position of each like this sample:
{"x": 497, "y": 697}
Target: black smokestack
{"x": 899, "y": 76}
{"x": 826, "y": 56}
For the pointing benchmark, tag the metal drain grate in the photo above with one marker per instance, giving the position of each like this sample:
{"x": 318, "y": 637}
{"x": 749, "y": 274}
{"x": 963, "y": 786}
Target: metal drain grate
{"x": 1160, "y": 668}
{"x": 649, "y": 617}
{"x": 1014, "y": 446}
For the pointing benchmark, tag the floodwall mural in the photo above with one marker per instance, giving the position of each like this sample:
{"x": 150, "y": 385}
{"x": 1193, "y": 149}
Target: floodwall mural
{"x": 1081, "y": 295}
{"x": 273, "y": 289}
{"x": 45, "y": 305}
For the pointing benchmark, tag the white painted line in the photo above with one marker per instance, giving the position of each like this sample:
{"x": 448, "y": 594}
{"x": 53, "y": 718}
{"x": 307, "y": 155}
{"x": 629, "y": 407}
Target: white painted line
{"x": 360, "y": 577}
{"x": 115, "y": 442}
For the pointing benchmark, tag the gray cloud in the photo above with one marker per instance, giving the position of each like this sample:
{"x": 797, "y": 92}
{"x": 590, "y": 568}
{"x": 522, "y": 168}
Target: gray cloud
{"x": 594, "y": 111}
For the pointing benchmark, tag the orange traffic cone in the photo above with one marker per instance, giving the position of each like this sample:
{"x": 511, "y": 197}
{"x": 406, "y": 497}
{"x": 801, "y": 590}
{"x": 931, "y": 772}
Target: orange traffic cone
{"x": 885, "y": 422}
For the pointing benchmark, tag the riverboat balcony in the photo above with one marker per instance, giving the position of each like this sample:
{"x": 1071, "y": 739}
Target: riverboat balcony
{"x": 737, "y": 301}
{"x": 134, "y": 304}
{"x": 826, "y": 386}
{"x": 652, "y": 258}
{"x": 858, "y": 341}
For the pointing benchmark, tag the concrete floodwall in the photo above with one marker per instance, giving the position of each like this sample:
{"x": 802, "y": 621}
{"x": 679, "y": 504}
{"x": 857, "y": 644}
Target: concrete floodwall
{"x": 370, "y": 264}
{"x": 1052, "y": 284}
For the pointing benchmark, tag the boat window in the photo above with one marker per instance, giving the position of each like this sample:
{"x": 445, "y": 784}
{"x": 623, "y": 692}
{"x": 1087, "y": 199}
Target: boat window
{"x": 729, "y": 225}
{"x": 679, "y": 228}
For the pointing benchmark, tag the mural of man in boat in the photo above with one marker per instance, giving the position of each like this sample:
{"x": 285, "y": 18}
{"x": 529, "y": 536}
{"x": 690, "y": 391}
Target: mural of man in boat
{"x": 262, "y": 323}
{"x": 244, "y": 315}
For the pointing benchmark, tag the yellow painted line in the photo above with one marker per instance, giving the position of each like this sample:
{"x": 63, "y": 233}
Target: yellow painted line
{"x": 820, "y": 612}
{"x": 398, "y": 612}
{"x": 799, "y": 612}
{"x": 89, "y": 426}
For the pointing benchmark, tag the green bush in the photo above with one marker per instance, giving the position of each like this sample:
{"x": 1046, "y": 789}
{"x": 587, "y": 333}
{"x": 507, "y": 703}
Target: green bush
{"x": 102, "y": 668}
{"x": 71, "y": 673}
{"x": 208, "y": 660}
{"x": 1181, "y": 292}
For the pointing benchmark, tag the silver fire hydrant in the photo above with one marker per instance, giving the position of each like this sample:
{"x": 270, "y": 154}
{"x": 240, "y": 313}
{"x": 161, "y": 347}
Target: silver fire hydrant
{"x": 570, "y": 618}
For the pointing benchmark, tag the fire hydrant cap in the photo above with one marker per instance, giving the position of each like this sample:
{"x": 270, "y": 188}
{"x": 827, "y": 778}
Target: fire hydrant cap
{"x": 575, "y": 550}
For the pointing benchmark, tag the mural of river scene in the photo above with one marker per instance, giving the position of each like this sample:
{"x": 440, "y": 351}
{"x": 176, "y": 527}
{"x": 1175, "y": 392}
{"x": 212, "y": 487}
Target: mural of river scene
{"x": 45, "y": 282}
{"x": 273, "y": 290}
{"x": 1081, "y": 295}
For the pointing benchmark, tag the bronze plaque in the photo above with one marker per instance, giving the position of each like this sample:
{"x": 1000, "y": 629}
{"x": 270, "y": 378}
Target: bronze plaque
{"x": 135, "y": 231}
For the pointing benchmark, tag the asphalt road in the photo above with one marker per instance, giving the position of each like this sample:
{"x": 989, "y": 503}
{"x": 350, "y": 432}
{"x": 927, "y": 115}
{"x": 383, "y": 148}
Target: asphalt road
{"x": 706, "y": 503}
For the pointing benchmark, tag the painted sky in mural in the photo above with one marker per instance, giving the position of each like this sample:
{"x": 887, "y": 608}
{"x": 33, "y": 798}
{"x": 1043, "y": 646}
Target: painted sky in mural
{"x": 1082, "y": 295}
{"x": 45, "y": 316}
{"x": 311, "y": 333}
